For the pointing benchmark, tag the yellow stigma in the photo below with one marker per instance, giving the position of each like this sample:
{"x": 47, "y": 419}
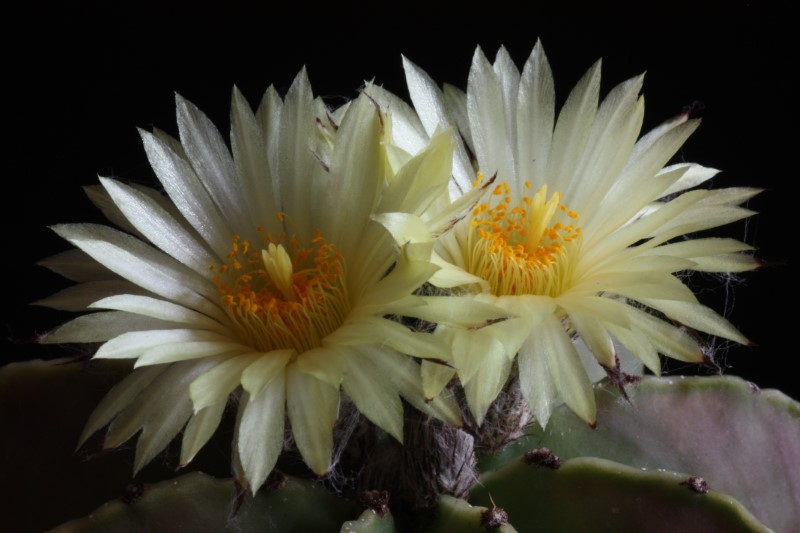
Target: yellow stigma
{"x": 522, "y": 247}
{"x": 283, "y": 295}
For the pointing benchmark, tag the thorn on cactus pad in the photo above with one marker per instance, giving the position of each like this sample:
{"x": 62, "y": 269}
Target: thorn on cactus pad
{"x": 542, "y": 458}
{"x": 494, "y": 518}
{"x": 697, "y": 484}
{"x": 240, "y": 492}
{"x": 619, "y": 379}
{"x": 132, "y": 493}
{"x": 275, "y": 480}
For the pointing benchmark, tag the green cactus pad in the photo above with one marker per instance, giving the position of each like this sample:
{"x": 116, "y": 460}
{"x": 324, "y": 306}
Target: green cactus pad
{"x": 742, "y": 441}
{"x": 43, "y": 408}
{"x": 370, "y": 522}
{"x": 454, "y": 515}
{"x": 199, "y": 503}
{"x": 589, "y": 494}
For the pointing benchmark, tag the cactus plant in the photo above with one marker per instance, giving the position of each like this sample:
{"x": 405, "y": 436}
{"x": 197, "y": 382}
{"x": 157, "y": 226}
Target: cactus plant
{"x": 631, "y": 473}
{"x": 370, "y": 395}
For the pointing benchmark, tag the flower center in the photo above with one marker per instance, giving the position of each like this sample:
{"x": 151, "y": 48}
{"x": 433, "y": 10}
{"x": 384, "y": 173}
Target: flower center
{"x": 283, "y": 294}
{"x": 524, "y": 248}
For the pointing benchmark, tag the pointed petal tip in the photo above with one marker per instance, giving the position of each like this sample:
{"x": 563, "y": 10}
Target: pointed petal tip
{"x": 502, "y": 52}
{"x": 60, "y": 229}
{"x": 409, "y": 65}
{"x": 478, "y": 56}
{"x": 301, "y": 77}
{"x": 82, "y": 440}
{"x": 179, "y": 99}
{"x": 322, "y": 475}
{"x": 144, "y": 134}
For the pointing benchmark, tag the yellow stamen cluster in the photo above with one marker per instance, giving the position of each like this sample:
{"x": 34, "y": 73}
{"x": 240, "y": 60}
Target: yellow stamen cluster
{"x": 283, "y": 294}
{"x": 522, "y": 248}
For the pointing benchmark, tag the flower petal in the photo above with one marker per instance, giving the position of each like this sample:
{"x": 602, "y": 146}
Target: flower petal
{"x": 435, "y": 376}
{"x": 251, "y": 161}
{"x": 181, "y": 351}
{"x": 374, "y": 395}
{"x": 693, "y": 176}
{"x": 568, "y": 375}
{"x": 164, "y": 409}
{"x": 405, "y": 375}
{"x": 493, "y": 370}
{"x": 697, "y": 316}
{"x": 354, "y": 189}
{"x": 81, "y": 296}
{"x": 99, "y": 327}
{"x": 264, "y": 369}
{"x": 297, "y": 168}
{"x": 374, "y": 330}
{"x": 215, "y": 385}
{"x": 77, "y": 265}
{"x": 159, "y": 227}
{"x": 537, "y": 387}
{"x": 407, "y": 130}
{"x": 188, "y": 193}
{"x": 133, "y": 343}
{"x": 211, "y": 161}
{"x": 430, "y": 107}
{"x": 665, "y": 338}
{"x": 259, "y": 435}
{"x": 199, "y": 429}
{"x": 490, "y": 132}
{"x": 536, "y": 115}
{"x": 328, "y": 364}
{"x": 313, "y": 407}
{"x": 142, "y": 265}
{"x": 161, "y": 310}
{"x": 268, "y": 116}
{"x": 639, "y": 345}
{"x": 596, "y": 337}
{"x": 118, "y": 398}
{"x": 572, "y": 129}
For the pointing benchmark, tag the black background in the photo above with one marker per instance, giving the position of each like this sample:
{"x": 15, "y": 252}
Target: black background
{"x": 80, "y": 78}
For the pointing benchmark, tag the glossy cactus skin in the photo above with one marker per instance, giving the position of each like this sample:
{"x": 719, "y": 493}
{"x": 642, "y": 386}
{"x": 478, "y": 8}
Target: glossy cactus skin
{"x": 743, "y": 441}
{"x": 590, "y": 494}
{"x": 640, "y": 469}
